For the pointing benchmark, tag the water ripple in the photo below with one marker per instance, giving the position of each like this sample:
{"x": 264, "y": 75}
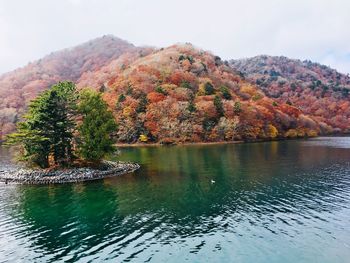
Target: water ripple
{"x": 284, "y": 208}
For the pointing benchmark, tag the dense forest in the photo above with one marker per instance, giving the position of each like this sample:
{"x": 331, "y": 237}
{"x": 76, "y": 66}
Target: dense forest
{"x": 185, "y": 94}
{"x": 315, "y": 89}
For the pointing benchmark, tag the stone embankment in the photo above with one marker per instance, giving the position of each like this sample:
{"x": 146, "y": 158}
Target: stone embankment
{"x": 68, "y": 175}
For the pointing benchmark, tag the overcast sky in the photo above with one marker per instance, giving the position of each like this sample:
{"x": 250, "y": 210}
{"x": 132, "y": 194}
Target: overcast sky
{"x": 318, "y": 30}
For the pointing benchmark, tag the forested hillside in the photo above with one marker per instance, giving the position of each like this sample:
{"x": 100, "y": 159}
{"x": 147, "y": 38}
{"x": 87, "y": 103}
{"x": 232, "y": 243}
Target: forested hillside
{"x": 185, "y": 94}
{"x": 18, "y": 87}
{"x": 315, "y": 89}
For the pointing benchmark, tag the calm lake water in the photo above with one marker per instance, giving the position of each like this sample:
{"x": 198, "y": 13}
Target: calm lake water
{"x": 271, "y": 202}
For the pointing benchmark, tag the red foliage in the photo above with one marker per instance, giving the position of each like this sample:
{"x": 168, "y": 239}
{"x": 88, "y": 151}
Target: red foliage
{"x": 18, "y": 87}
{"x": 176, "y": 108}
{"x": 154, "y": 97}
{"x": 311, "y": 88}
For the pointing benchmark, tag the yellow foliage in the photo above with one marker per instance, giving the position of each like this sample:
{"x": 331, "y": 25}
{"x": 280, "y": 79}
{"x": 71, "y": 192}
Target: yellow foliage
{"x": 248, "y": 89}
{"x": 143, "y": 138}
{"x": 312, "y": 133}
{"x": 272, "y": 131}
{"x": 127, "y": 111}
{"x": 165, "y": 73}
{"x": 291, "y": 133}
{"x": 168, "y": 87}
{"x": 301, "y": 133}
{"x": 201, "y": 91}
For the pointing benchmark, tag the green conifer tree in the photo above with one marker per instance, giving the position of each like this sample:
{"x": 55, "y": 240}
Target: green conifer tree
{"x": 219, "y": 106}
{"x": 48, "y": 126}
{"x": 98, "y": 124}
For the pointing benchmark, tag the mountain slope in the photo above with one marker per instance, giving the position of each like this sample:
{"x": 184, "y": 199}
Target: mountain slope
{"x": 184, "y": 94}
{"x": 315, "y": 89}
{"x": 18, "y": 87}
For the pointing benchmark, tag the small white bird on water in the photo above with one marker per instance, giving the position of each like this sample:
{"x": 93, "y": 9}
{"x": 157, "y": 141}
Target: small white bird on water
{"x": 212, "y": 181}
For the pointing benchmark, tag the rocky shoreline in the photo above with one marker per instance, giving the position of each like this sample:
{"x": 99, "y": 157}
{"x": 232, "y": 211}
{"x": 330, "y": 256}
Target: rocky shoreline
{"x": 68, "y": 175}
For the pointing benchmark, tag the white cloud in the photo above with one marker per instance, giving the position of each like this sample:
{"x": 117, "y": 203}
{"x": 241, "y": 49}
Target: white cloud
{"x": 305, "y": 29}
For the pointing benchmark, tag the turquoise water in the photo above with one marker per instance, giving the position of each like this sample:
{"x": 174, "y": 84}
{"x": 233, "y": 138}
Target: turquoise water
{"x": 270, "y": 202}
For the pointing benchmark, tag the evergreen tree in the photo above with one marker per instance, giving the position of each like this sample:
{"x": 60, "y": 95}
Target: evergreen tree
{"x": 143, "y": 101}
{"x": 98, "y": 124}
{"x": 237, "y": 108}
{"x": 47, "y": 129}
{"x": 61, "y": 120}
{"x": 191, "y": 106}
{"x": 225, "y": 93}
{"x": 35, "y": 146}
{"x": 219, "y": 106}
{"x": 208, "y": 88}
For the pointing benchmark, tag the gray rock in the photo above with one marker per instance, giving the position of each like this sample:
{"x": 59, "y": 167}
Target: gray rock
{"x": 107, "y": 169}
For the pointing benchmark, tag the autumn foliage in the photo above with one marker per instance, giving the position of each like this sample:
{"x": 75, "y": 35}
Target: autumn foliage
{"x": 315, "y": 90}
{"x": 20, "y": 86}
{"x": 184, "y": 94}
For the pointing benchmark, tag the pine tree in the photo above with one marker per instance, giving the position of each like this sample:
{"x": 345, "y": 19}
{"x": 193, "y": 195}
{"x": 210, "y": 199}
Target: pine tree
{"x": 98, "y": 124}
{"x": 219, "y": 106}
{"x": 143, "y": 101}
{"x": 60, "y": 121}
{"x": 47, "y": 129}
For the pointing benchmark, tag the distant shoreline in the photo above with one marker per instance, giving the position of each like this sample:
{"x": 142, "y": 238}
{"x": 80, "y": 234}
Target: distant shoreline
{"x": 122, "y": 145}
{"x": 174, "y": 144}
{"x": 155, "y": 144}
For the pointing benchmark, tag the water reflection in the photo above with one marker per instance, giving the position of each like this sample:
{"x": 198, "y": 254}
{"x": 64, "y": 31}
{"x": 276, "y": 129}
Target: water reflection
{"x": 265, "y": 196}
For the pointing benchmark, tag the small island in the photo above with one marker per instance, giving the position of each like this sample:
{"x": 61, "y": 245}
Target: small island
{"x": 64, "y": 137}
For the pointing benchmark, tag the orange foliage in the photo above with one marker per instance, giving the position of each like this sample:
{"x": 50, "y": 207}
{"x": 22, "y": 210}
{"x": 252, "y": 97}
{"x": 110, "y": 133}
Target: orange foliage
{"x": 154, "y": 97}
{"x": 165, "y": 93}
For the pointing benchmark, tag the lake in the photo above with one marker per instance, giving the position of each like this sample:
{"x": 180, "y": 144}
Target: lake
{"x": 285, "y": 201}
